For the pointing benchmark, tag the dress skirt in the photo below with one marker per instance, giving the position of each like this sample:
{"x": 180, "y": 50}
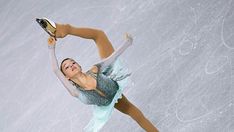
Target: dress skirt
{"x": 101, "y": 114}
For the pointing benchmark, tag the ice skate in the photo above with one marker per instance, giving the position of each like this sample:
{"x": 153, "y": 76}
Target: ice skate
{"x": 48, "y": 25}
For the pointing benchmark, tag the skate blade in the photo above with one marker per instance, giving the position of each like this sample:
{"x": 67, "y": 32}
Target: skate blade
{"x": 43, "y": 26}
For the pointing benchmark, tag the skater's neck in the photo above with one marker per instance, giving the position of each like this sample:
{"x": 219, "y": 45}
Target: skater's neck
{"x": 79, "y": 78}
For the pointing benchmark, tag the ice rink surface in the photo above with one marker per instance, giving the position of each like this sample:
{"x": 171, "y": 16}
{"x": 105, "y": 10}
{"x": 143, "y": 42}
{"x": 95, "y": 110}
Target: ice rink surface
{"x": 182, "y": 64}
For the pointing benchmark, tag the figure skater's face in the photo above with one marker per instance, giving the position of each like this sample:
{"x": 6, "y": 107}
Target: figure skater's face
{"x": 70, "y": 68}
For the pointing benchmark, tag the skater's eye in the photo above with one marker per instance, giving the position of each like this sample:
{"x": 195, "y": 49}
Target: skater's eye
{"x": 66, "y": 67}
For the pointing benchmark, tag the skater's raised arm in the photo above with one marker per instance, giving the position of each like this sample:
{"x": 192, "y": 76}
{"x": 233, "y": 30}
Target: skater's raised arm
{"x": 109, "y": 60}
{"x": 71, "y": 89}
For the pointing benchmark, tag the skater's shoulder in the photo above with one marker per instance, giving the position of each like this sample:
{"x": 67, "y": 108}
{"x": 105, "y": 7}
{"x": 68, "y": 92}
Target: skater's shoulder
{"x": 94, "y": 69}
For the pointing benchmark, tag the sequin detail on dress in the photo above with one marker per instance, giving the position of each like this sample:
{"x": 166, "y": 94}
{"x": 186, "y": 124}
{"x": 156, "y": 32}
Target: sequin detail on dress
{"x": 104, "y": 84}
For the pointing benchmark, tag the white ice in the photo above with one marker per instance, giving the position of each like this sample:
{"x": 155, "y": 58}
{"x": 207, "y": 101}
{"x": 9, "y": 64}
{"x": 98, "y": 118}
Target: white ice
{"x": 182, "y": 63}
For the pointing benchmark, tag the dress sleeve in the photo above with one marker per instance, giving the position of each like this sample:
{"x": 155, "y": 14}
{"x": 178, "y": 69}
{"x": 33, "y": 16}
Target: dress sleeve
{"x": 110, "y": 59}
{"x": 71, "y": 89}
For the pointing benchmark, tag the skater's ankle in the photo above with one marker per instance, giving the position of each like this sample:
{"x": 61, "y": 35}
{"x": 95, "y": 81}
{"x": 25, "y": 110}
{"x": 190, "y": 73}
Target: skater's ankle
{"x": 62, "y": 30}
{"x": 68, "y": 28}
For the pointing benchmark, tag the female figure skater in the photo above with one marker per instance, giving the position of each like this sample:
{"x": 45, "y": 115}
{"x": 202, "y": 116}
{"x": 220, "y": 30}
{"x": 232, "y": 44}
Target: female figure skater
{"x": 102, "y": 85}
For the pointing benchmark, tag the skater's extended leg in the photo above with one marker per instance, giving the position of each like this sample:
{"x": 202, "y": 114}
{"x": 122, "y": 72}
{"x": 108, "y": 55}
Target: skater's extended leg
{"x": 128, "y": 108}
{"x": 105, "y": 47}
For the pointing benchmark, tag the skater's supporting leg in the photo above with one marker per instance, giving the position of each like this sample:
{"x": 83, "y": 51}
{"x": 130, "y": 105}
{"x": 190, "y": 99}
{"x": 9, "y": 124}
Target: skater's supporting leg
{"x": 128, "y": 108}
{"x": 105, "y": 47}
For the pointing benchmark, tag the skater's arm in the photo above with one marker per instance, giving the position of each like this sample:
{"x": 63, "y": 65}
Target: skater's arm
{"x": 109, "y": 60}
{"x": 71, "y": 89}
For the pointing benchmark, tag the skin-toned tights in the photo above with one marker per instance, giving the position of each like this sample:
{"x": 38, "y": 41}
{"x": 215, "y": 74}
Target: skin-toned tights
{"x": 105, "y": 49}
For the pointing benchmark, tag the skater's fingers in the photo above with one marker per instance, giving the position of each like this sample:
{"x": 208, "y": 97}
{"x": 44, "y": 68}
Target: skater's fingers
{"x": 51, "y": 41}
{"x": 128, "y": 36}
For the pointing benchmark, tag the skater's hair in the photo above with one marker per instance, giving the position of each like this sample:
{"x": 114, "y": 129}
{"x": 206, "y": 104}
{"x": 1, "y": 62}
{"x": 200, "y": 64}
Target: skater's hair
{"x": 62, "y": 63}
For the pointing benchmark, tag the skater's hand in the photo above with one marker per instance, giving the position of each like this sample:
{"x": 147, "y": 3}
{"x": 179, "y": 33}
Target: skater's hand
{"x": 51, "y": 41}
{"x": 129, "y": 38}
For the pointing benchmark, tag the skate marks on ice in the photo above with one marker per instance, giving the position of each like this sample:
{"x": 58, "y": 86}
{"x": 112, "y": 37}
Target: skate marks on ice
{"x": 228, "y": 28}
{"x": 205, "y": 93}
{"x": 221, "y": 55}
{"x": 189, "y": 42}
